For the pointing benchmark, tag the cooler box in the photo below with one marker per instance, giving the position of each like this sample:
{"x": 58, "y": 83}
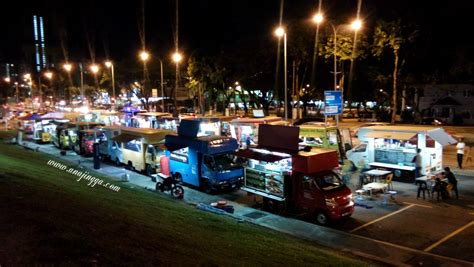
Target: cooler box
{"x": 165, "y": 165}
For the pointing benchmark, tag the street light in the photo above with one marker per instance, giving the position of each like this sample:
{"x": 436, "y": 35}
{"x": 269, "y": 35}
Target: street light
{"x": 109, "y": 65}
{"x": 7, "y": 79}
{"x": 281, "y": 32}
{"x": 68, "y": 67}
{"x": 144, "y": 56}
{"x": 95, "y": 69}
{"x": 49, "y": 75}
{"x": 177, "y": 57}
{"x": 317, "y": 19}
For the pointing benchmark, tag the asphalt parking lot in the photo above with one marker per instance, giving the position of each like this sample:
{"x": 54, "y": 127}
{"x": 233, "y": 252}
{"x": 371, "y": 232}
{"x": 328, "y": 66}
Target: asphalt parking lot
{"x": 444, "y": 228}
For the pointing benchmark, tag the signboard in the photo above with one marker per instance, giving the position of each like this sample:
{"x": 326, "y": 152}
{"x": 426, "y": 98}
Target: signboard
{"x": 332, "y": 102}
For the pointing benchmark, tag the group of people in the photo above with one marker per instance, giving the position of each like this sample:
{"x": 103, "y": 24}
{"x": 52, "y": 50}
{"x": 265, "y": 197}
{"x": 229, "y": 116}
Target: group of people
{"x": 446, "y": 185}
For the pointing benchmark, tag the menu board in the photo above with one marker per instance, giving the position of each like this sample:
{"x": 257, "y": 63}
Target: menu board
{"x": 267, "y": 181}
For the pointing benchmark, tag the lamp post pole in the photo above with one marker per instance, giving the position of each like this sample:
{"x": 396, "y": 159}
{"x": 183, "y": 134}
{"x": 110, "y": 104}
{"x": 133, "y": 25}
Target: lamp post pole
{"x": 162, "y": 88}
{"x": 281, "y": 32}
{"x": 110, "y": 65}
{"x": 113, "y": 81}
{"x": 82, "y": 82}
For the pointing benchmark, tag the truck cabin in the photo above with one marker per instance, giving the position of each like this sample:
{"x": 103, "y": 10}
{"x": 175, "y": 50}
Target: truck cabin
{"x": 204, "y": 161}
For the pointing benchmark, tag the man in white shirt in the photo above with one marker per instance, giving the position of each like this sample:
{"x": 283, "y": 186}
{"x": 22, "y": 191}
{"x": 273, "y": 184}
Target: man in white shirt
{"x": 460, "y": 152}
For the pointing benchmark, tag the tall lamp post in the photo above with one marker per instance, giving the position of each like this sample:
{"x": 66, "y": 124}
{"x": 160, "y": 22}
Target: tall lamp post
{"x": 68, "y": 67}
{"x": 177, "y": 57}
{"x": 144, "y": 56}
{"x": 49, "y": 75}
{"x": 110, "y": 65}
{"x": 281, "y": 32}
{"x": 95, "y": 69}
{"x": 162, "y": 88}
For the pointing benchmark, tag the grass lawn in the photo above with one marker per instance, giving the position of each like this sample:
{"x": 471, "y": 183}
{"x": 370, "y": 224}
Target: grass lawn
{"x": 49, "y": 218}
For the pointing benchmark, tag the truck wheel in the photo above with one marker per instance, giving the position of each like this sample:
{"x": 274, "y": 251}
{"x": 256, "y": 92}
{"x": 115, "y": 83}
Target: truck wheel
{"x": 321, "y": 218}
{"x": 149, "y": 170}
{"x": 206, "y": 187}
{"x": 130, "y": 166}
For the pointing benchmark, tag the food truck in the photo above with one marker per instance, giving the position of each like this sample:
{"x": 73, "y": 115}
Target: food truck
{"x": 142, "y": 148}
{"x": 148, "y": 119}
{"x": 244, "y": 128}
{"x": 84, "y": 141}
{"x": 66, "y": 136}
{"x": 206, "y": 161}
{"x": 300, "y": 181}
{"x": 394, "y": 147}
{"x": 326, "y": 137}
{"x": 110, "y": 149}
{"x": 214, "y": 125}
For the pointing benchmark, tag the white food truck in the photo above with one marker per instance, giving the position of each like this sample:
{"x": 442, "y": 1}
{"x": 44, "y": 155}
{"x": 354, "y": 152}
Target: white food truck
{"x": 394, "y": 147}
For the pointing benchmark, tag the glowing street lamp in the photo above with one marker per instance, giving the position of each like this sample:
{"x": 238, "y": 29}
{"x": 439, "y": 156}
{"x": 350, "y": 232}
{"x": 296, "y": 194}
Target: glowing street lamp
{"x": 94, "y": 68}
{"x": 177, "y": 57}
{"x": 279, "y": 32}
{"x": 318, "y": 18}
{"x": 7, "y": 79}
{"x": 48, "y": 75}
{"x": 67, "y": 67}
{"x": 356, "y": 24}
{"x": 144, "y": 56}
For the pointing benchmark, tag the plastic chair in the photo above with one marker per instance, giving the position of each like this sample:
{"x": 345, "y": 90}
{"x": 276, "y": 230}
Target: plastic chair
{"x": 388, "y": 181}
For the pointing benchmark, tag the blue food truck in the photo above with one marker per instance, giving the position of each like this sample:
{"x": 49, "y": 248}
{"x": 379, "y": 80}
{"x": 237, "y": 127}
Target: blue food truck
{"x": 206, "y": 162}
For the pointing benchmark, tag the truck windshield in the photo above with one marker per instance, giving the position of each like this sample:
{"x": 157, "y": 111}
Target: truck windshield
{"x": 225, "y": 162}
{"x": 328, "y": 181}
{"x": 89, "y": 137}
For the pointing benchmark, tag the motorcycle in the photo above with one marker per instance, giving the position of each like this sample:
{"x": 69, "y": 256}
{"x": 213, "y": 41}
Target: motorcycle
{"x": 170, "y": 184}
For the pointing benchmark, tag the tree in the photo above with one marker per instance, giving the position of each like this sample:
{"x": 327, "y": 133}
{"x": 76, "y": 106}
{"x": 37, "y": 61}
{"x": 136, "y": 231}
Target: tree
{"x": 392, "y": 35}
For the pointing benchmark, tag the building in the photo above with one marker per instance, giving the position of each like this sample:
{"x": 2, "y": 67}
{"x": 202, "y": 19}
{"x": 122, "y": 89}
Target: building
{"x": 451, "y": 103}
{"x": 39, "y": 42}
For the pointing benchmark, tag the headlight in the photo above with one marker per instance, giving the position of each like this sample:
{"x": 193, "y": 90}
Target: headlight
{"x": 331, "y": 203}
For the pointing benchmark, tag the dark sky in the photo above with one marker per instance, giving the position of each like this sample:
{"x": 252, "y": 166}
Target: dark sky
{"x": 112, "y": 27}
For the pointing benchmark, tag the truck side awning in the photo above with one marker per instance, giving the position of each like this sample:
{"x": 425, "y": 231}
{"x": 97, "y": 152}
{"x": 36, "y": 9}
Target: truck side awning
{"x": 124, "y": 138}
{"x": 391, "y": 135}
{"x": 267, "y": 157}
{"x": 440, "y": 136}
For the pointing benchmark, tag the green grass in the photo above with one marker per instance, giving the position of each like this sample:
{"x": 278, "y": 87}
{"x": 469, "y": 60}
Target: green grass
{"x": 52, "y": 219}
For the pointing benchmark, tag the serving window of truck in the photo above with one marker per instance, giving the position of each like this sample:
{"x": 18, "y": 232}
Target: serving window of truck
{"x": 267, "y": 174}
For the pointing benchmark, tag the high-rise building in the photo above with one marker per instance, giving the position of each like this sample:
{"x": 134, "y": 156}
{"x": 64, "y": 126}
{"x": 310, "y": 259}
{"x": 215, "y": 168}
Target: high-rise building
{"x": 39, "y": 41}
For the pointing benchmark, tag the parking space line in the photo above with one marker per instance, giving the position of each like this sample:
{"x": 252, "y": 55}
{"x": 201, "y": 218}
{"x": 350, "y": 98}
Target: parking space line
{"x": 381, "y": 218}
{"x": 424, "y": 206}
{"x": 448, "y": 236}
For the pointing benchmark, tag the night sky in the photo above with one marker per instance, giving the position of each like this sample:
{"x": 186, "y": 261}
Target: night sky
{"x": 108, "y": 28}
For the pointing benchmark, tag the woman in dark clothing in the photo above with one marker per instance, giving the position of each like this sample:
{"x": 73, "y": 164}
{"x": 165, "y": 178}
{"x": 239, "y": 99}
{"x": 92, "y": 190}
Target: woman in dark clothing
{"x": 452, "y": 181}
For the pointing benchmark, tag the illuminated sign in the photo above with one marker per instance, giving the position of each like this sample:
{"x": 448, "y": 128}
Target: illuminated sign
{"x": 179, "y": 157}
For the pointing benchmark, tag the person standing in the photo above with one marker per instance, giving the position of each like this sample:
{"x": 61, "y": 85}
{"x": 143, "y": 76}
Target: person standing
{"x": 452, "y": 181}
{"x": 418, "y": 160}
{"x": 460, "y": 152}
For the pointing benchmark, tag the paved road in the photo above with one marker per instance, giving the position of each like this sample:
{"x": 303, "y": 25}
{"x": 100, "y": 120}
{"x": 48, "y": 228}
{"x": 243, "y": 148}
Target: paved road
{"x": 406, "y": 231}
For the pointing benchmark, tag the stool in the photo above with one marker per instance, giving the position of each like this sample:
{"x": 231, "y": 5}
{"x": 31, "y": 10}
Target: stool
{"x": 386, "y": 195}
{"x": 360, "y": 194}
{"x": 423, "y": 187}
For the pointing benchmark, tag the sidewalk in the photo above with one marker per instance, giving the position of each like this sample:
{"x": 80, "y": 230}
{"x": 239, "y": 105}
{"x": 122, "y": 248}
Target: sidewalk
{"x": 387, "y": 253}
